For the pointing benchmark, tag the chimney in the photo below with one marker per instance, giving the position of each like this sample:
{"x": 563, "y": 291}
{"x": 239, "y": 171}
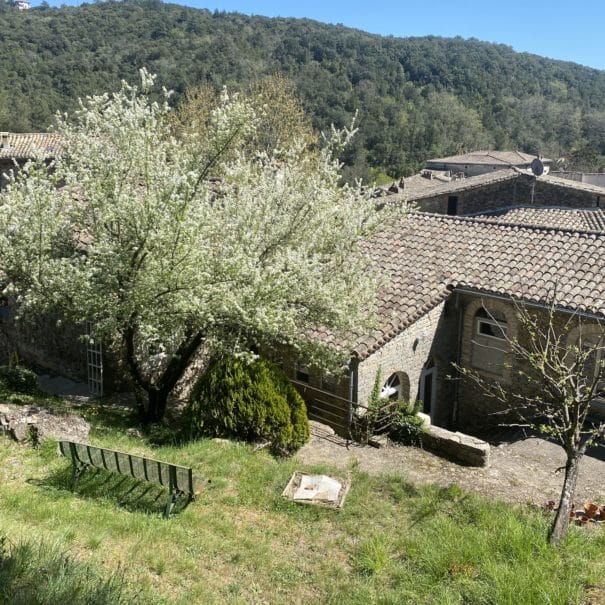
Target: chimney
{"x": 4, "y": 140}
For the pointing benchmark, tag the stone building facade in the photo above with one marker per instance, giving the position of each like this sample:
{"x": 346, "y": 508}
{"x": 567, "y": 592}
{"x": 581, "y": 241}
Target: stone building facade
{"x": 448, "y": 302}
{"x": 468, "y": 198}
{"x": 506, "y": 188}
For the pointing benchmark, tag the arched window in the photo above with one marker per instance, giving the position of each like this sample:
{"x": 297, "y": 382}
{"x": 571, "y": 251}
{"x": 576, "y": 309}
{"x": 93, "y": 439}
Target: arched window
{"x": 489, "y": 340}
{"x": 396, "y": 387}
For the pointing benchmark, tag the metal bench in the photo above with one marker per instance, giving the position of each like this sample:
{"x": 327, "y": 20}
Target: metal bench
{"x": 179, "y": 480}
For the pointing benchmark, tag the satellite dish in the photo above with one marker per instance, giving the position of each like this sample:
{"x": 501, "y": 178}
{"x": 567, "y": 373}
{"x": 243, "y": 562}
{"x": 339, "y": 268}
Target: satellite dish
{"x": 537, "y": 167}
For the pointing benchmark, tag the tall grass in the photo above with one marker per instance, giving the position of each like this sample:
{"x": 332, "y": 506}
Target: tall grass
{"x": 44, "y": 574}
{"x": 241, "y": 542}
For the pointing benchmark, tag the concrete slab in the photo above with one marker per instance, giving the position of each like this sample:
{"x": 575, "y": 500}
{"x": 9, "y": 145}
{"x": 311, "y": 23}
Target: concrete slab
{"x": 316, "y": 489}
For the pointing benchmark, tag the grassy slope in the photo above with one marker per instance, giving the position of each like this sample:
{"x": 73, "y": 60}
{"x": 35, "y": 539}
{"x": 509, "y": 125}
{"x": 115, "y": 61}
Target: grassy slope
{"x": 241, "y": 543}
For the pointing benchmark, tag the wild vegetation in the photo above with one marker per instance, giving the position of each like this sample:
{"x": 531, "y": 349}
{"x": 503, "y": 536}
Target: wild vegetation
{"x": 417, "y": 97}
{"x": 240, "y": 542}
{"x": 210, "y": 226}
{"x": 34, "y": 572}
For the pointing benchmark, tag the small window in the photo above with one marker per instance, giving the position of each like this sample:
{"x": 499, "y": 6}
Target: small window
{"x": 302, "y": 373}
{"x": 489, "y": 341}
{"x": 491, "y": 328}
{"x": 396, "y": 387}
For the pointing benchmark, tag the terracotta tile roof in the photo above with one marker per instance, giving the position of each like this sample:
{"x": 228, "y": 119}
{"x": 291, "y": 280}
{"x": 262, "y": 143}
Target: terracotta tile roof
{"x": 569, "y": 184}
{"x": 576, "y": 219}
{"x": 26, "y": 145}
{"x": 425, "y": 256}
{"x": 418, "y": 187}
{"x": 505, "y": 158}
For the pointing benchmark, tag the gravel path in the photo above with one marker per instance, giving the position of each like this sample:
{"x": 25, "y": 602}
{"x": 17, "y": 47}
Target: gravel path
{"x": 521, "y": 470}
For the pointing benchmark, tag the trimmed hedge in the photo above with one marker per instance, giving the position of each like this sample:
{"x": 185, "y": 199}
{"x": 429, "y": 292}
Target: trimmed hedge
{"x": 253, "y": 401}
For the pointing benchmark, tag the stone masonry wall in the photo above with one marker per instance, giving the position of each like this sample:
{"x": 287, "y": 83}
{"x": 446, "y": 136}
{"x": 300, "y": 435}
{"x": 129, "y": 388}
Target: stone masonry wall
{"x": 476, "y": 411}
{"x": 512, "y": 192}
{"x": 431, "y": 339}
{"x": 549, "y": 194}
{"x": 43, "y": 344}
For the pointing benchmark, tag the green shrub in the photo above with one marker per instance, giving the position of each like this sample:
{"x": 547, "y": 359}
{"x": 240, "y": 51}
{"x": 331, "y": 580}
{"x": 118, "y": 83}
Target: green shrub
{"x": 18, "y": 379}
{"x": 42, "y": 574}
{"x": 253, "y": 401}
{"x": 407, "y": 427}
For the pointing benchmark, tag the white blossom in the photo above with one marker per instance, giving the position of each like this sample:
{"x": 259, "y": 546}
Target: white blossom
{"x": 128, "y": 231}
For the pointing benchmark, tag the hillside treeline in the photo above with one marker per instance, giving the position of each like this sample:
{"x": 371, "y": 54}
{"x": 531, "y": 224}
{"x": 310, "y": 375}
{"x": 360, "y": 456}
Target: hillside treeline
{"x": 416, "y": 97}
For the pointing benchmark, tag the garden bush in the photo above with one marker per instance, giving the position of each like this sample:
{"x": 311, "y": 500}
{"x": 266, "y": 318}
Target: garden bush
{"x": 18, "y": 379}
{"x": 407, "y": 427}
{"x": 249, "y": 400}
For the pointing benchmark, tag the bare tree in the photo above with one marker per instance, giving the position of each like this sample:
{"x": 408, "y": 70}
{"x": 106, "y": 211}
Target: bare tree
{"x": 558, "y": 365}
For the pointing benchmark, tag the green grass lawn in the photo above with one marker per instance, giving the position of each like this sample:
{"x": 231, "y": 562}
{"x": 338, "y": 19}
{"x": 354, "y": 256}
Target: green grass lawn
{"x": 240, "y": 542}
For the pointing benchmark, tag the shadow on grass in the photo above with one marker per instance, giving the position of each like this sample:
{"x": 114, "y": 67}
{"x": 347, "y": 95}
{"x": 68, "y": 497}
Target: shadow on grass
{"x": 109, "y": 415}
{"x": 125, "y": 492}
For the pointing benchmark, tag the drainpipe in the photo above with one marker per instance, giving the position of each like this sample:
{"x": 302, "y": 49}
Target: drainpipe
{"x": 353, "y": 363}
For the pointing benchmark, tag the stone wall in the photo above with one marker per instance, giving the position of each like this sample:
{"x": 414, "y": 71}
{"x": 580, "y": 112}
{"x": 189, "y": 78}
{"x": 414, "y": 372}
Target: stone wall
{"x": 551, "y": 194}
{"x": 455, "y": 446}
{"x": 477, "y": 199}
{"x": 512, "y": 192}
{"x": 430, "y": 341}
{"x": 475, "y": 410}
{"x": 43, "y": 344}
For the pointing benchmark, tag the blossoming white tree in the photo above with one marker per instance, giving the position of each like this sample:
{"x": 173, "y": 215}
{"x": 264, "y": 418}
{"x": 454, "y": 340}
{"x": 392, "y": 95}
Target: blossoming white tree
{"x": 128, "y": 230}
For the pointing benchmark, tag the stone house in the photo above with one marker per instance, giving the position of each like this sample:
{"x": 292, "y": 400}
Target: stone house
{"x": 447, "y": 298}
{"x": 481, "y": 162}
{"x": 505, "y": 188}
{"x": 18, "y": 148}
{"x": 448, "y": 282}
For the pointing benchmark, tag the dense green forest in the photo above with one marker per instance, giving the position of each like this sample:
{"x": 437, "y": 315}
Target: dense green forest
{"x": 416, "y": 97}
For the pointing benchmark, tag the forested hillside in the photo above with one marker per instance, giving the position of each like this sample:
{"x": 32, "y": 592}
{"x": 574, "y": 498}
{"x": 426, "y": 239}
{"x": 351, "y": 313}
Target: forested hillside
{"x": 416, "y": 97}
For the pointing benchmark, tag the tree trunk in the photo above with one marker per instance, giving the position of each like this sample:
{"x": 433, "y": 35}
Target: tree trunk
{"x": 156, "y": 406}
{"x": 561, "y": 522}
{"x": 152, "y": 398}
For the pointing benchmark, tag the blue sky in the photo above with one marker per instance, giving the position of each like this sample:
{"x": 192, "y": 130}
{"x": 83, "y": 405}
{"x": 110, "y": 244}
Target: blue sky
{"x": 571, "y": 31}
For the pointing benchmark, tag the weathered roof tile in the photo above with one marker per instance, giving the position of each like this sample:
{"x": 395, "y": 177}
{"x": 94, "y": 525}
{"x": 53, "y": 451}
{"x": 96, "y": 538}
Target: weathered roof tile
{"x": 526, "y": 262}
{"x": 27, "y": 145}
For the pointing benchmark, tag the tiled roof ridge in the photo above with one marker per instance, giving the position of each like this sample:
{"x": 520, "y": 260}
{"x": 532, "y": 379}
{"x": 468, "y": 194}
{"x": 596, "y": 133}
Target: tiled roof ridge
{"x": 570, "y": 184}
{"x": 507, "y": 225}
{"x": 490, "y": 154}
{"x": 533, "y": 207}
{"x": 504, "y": 157}
{"x": 528, "y": 300}
{"x": 473, "y": 182}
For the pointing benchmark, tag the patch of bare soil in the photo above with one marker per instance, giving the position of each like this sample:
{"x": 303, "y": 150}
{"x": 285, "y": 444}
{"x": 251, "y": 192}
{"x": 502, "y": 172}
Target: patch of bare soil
{"x": 523, "y": 469}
